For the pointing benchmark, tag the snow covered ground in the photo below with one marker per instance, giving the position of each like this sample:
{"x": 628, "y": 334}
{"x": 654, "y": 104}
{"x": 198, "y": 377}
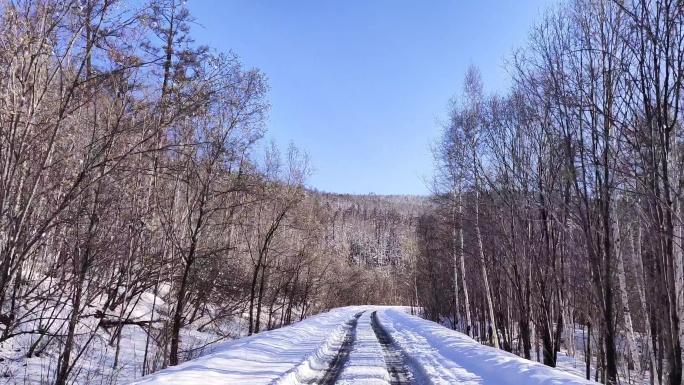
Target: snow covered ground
{"x": 290, "y": 355}
{"x": 449, "y": 357}
{"x": 361, "y": 345}
{"x": 97, "y": 355}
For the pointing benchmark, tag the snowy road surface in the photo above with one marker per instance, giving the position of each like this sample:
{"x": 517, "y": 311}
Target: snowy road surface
{"x": 360, "y": 345}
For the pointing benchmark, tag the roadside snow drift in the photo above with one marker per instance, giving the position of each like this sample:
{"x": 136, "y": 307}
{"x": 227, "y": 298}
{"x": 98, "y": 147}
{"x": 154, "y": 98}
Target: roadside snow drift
{"x": 281, "y": 356}
{"x": 361, "y": 345}
{"x": 449, "y": 357}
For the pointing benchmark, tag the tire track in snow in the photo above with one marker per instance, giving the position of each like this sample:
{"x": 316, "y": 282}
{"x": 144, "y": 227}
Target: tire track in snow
{"x": 399, "y": 371}
{"x": 335, "y": 368}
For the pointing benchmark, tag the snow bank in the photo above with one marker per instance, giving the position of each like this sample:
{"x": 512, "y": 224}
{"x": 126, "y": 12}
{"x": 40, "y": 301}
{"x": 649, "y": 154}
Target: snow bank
{"x": 447, "y": 357}
{"x": 281, "y": 356}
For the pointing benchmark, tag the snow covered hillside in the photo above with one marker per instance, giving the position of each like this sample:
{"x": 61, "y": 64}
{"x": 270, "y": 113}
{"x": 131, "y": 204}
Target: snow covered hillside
{"x": 361, "y": 345}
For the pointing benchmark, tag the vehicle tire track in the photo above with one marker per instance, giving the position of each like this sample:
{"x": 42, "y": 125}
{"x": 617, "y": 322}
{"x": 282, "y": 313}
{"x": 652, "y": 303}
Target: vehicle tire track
{"x": 399, "y": 371}
{"x": 333, "y": 371}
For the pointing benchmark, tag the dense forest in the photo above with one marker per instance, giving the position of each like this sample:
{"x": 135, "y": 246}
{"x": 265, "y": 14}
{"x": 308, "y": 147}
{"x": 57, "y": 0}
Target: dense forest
{"x": 137, "y": 193}
{"x": 558, "y": 204}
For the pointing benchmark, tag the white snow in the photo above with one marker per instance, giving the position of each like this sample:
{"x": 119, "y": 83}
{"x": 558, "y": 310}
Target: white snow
{"x": 288, "y": 355}
{"x": 450, "y": 357}
{"x": 301, "y": 353}
{"x": 366, "y": 364}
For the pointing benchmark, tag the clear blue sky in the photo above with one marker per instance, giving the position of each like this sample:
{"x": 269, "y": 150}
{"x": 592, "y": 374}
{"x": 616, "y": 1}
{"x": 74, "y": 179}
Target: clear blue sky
{"x": 361, "y": 84}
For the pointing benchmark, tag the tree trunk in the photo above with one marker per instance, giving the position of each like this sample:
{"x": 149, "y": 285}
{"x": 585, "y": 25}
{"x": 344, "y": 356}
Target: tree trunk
{"x": 631, "y": 341}
{"x": 488, "y": 292}
{"x": 469, "y": 323}
{"x": 180, "y": 302}
{"x": 455, "y": 259}
{"x": 587, "y": 351}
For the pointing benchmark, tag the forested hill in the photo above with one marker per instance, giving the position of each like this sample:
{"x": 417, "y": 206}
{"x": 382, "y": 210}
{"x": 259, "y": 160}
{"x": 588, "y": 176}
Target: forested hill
{"x": 371, "y": 239}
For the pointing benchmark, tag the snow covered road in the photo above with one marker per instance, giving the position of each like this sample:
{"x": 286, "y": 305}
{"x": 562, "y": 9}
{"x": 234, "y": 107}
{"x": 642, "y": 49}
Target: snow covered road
{"x": 361, "y": 345}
